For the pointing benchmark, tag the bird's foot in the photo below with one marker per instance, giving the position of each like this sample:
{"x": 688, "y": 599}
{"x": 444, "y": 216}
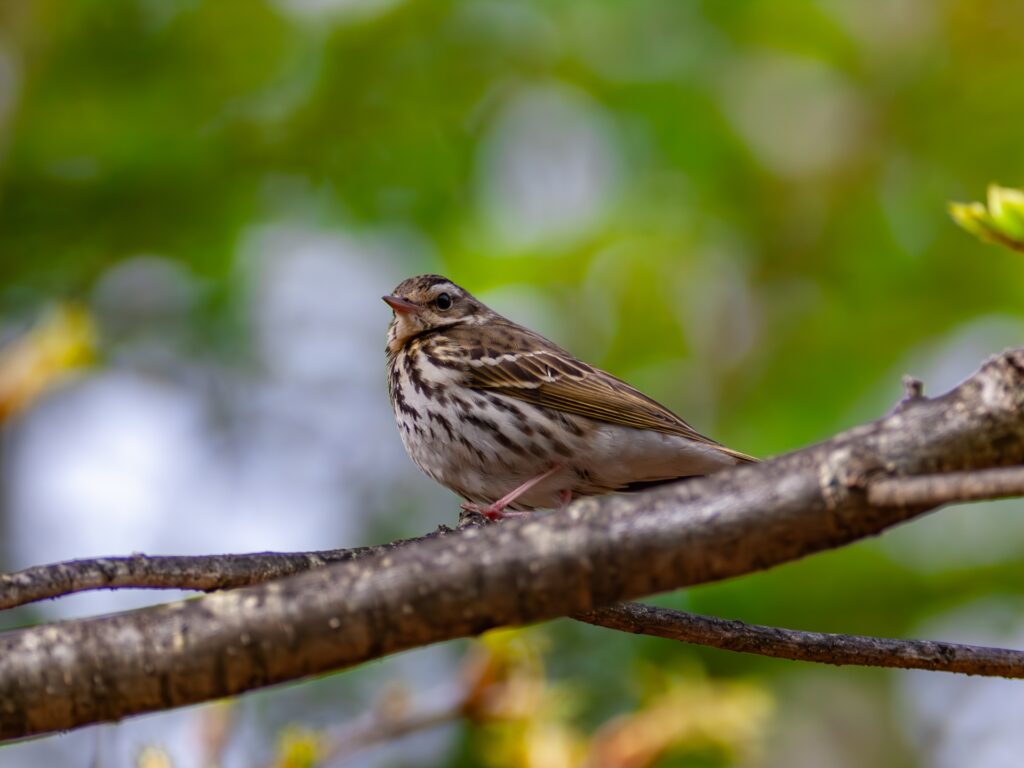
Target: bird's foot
{"x": 496, "y": 511}
{"x": 491, "y": 511}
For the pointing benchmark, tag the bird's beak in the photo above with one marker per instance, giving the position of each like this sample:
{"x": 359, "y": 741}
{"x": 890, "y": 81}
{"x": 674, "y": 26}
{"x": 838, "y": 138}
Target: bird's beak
{"x": 401, "y": 306}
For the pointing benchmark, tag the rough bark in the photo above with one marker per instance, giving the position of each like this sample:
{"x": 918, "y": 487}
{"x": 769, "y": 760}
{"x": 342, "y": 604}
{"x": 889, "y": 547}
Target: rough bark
{"x": 933, "y": 490}
{"x": 212, "y": 572}
{"x": 201, "y": 572}
{"x": 598, "y": 552}
{"x": 821, "y": 647}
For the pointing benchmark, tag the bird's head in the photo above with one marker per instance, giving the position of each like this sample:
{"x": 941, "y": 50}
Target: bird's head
{"x": 426, "y": 303}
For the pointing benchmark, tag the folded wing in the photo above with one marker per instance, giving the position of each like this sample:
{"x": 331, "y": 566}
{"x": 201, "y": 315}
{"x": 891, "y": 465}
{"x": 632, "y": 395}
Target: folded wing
{"x": 542, "y": 373}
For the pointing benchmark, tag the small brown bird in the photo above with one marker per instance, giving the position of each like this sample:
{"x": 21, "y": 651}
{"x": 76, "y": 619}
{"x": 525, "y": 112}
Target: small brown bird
{"x": 508, "y": 420}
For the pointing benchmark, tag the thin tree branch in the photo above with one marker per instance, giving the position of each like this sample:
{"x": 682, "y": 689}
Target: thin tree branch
{"x": 205, "y": 573}
{"x": 598, "y": 552}
{"x": 825, "y": 648}
{"x": 935, "y": 490}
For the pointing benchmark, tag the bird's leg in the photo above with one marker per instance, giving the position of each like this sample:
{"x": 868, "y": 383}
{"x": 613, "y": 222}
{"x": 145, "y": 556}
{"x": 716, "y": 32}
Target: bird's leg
{"x": 496, "y": 511}
{"x": 564, "y": 497}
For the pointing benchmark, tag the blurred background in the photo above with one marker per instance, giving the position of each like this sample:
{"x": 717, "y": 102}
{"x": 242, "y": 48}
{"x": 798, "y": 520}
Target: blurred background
{"x": 737, "y": 206}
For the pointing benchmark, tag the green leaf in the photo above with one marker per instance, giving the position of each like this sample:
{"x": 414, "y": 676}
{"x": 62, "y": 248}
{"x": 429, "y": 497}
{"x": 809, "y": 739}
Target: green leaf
{"x": 1006, "y": 207}
{"x": 1002, "y": 222}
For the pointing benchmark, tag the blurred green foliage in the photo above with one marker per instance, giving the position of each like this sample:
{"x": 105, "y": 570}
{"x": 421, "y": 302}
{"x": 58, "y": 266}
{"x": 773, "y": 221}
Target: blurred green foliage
{"x": 168, "y": 127}
{"x": 773, "y": 250}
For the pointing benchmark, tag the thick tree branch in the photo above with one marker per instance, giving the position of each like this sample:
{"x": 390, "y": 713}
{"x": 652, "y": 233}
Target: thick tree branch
{"x": 227, "y": 571}
{"x": 598, "y": 552}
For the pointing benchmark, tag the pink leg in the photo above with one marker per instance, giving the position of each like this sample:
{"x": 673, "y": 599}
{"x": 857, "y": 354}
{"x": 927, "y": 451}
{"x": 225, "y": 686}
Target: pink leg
{"x": 496, "y": 511}
{"x": 564, "y": 498}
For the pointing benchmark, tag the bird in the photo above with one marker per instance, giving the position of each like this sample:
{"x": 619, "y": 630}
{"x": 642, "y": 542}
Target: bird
{"x": 512, "y": 422}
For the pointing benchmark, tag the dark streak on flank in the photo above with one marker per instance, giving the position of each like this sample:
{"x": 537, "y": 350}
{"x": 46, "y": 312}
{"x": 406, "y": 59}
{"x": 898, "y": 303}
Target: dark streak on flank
{"x": 509, "y": 443}
{"x": 570, "y": 423}
{"x": 441, "y": 421}
{"x": 561, "y": 448}
{"x": 472, "y": 448}
{"x": 398, "y": 398}
{"x": 539, "y": 451}
{"x": 481, "y": 423}
{"x": 522, "y": 421}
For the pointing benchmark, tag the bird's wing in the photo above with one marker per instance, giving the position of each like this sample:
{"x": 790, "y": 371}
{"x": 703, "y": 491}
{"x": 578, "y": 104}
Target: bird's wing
{"x": 528, "y": 367}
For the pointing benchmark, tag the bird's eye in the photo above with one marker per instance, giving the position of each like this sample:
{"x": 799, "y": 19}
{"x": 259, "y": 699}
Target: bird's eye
{"x": 443, "y": 302}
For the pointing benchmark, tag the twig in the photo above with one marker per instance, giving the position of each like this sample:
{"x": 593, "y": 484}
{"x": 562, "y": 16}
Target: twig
{"x": 821, "y": 647}
{"x": 913, "y": 388}
{"x": 947, "y": 488}
{"x": 205, "y": 573}
{"x": 913, "y": 391}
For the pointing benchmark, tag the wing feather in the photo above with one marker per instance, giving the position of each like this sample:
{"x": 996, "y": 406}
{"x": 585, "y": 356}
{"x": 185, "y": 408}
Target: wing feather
{"x": 519, "y": 363}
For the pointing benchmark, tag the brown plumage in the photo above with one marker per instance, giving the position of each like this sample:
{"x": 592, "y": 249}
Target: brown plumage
{"x": 507, "y": 419}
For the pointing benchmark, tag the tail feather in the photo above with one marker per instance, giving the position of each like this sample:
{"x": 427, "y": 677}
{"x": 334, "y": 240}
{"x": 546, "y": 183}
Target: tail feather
{"x": 642, "y": 485}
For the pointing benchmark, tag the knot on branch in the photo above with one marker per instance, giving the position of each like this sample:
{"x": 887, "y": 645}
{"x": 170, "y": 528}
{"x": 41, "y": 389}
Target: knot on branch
{"x": 1000, "y": 381}
{"x": 845, "y": 474}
